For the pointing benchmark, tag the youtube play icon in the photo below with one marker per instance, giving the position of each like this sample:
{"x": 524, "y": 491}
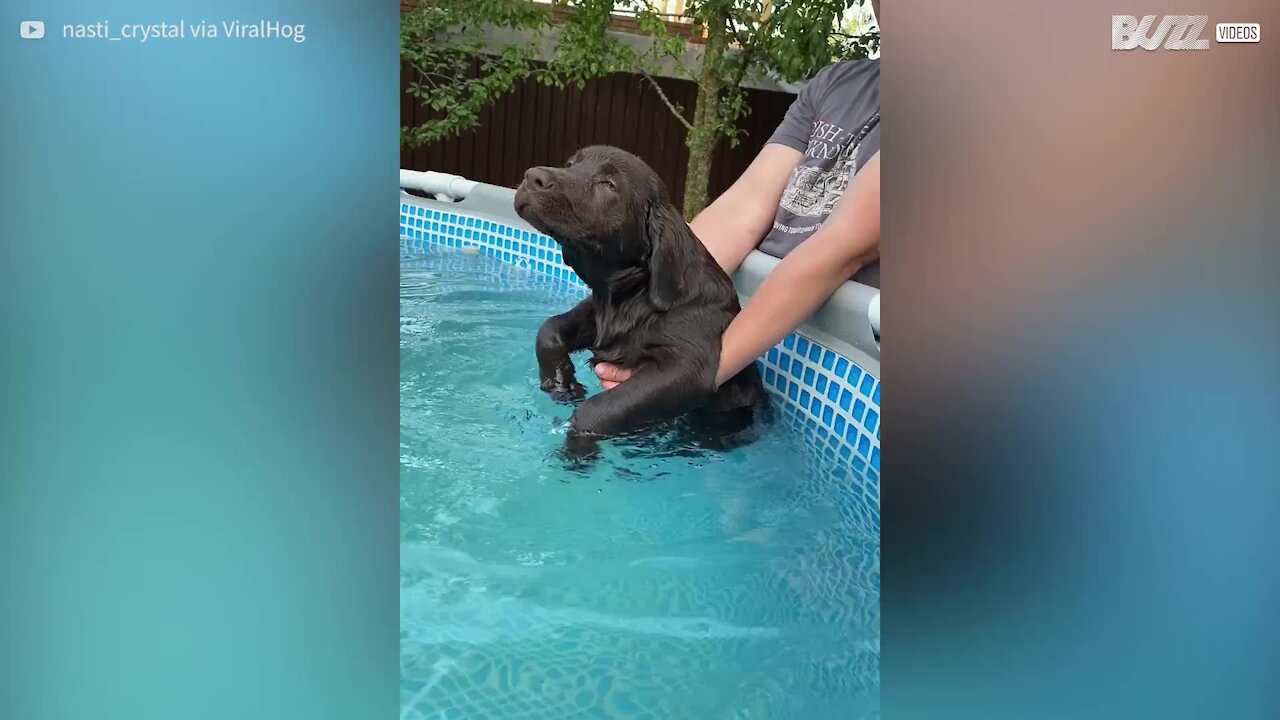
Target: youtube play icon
{"x": 31, "y": 29}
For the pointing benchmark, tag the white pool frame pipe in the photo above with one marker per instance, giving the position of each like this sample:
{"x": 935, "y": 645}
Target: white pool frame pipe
{"x": 442, "y": 186}
{"x": 873, "y": 314}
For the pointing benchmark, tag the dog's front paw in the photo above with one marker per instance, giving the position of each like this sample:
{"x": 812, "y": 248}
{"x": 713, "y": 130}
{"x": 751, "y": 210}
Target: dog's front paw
{"x": 580, "y": 450}
{"x": 564, "y": 392}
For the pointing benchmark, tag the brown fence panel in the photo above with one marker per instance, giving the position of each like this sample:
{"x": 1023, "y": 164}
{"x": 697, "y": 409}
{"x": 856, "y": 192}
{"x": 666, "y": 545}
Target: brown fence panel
{"x": 538, "y": 125}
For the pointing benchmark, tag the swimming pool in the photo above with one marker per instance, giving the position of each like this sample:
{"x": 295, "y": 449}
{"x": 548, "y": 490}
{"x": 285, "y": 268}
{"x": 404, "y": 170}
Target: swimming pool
{"x": 665, "y": 581}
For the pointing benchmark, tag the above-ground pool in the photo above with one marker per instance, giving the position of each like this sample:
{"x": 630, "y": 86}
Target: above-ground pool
{"x": 664, "y": 580}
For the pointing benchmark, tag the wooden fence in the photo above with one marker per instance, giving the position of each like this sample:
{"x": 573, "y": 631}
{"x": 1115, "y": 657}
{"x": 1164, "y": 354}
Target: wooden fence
{"x": 539, "y": 125}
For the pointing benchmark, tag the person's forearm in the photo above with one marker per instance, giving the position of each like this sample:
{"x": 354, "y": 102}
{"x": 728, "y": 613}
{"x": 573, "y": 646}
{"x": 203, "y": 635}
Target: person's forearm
{"x": 733, "y": 225}
{"x": 729, "y": 235}
{"x": 803, "y": 281}
{"x": 795, "y": 289}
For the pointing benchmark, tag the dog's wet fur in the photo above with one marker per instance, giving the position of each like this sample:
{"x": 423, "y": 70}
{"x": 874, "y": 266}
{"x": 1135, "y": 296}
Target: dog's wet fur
{"x": 658, "y": 306}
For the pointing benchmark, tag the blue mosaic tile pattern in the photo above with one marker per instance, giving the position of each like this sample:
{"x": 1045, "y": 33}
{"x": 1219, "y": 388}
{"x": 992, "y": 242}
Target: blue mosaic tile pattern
{"x": 825, "y": 395}
{"x": 524, "y": 248}
{"x": 832, "y": 400}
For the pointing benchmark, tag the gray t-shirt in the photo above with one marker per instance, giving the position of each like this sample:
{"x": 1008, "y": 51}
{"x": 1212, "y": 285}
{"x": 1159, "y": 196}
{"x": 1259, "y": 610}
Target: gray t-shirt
{"x": 835, "y": 122}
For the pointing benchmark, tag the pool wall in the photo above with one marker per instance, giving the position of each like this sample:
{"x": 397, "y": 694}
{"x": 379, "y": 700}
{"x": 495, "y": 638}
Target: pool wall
{"x": 826, "y": 376}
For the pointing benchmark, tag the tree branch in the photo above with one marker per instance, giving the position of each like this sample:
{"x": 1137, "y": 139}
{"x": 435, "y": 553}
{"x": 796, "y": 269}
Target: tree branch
{"x": 746, "y": 55}
{"x": 670, "y": 105}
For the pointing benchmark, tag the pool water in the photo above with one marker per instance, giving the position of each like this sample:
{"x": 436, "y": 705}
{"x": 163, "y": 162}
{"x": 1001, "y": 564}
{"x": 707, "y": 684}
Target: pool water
{"x": 662, "y": 582}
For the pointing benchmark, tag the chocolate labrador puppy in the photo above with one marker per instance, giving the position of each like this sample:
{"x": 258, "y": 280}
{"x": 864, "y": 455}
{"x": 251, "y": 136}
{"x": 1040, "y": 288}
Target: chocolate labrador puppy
{"x": 659, "y": 301}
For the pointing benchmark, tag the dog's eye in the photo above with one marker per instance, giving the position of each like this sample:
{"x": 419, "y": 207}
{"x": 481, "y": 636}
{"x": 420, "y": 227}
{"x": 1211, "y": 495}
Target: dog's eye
{"x": 609, "y": 184}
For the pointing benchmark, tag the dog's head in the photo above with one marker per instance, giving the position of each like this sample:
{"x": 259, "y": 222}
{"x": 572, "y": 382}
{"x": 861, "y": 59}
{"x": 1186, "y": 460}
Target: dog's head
{"x": 609, "y": 211}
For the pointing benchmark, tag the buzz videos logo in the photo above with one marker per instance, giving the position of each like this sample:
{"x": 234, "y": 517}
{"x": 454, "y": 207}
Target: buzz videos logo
{"x": 1175, "y": 32}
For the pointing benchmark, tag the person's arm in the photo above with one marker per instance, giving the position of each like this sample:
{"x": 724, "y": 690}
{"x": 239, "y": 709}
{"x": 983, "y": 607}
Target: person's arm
{"x": 802, "y": 282}
{"x": 733, "y": 225}
{"x": 806, "y": 278}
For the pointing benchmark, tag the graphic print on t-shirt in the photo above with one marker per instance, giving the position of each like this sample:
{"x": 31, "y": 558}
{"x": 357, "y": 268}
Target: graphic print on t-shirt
{"x": 834, "y": 124}
{"x": 813, "y": 191}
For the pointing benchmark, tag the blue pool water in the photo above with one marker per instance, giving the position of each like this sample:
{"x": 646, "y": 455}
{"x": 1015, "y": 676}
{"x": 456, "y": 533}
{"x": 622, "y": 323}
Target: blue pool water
{"x": 662, "y": 582}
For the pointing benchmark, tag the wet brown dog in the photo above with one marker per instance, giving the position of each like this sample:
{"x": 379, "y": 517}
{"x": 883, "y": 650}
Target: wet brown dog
{"x": 659, "y": 301}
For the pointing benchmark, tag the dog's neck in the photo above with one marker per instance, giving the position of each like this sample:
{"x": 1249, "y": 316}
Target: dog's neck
{"x": 608, "y": 284}
{"x": 621, "y": 284}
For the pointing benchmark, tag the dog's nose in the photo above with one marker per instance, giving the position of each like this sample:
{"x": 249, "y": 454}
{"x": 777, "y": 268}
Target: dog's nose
{"x": 538, "y": 178}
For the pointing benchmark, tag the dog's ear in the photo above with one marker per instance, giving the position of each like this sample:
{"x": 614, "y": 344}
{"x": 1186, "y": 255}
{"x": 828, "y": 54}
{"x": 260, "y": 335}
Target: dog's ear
{"x": 668, "y": 254}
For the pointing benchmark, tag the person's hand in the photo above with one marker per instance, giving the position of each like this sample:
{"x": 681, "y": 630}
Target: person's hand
{"x": 611, "y": 376}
